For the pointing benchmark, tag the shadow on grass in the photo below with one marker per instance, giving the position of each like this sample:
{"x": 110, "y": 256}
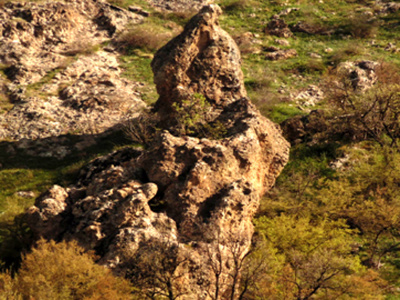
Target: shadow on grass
{"x": 60, "y": 151}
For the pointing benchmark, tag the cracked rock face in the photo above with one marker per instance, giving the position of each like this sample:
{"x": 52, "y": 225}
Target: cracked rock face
{"x": 196, "y": 194}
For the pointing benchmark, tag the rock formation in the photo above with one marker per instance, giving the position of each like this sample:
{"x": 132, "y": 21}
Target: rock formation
{"x": 205, "y": 59}
{"x": 194, "y": 196}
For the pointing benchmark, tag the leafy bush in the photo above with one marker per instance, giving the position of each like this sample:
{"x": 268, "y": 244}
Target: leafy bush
{"x": 156, "y": 268}
{"x": 316, "y": 260}
{"x": 63, "y": 271}
{"x": 193, "y": 118}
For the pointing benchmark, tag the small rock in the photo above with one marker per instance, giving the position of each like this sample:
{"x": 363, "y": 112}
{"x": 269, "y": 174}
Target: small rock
{"x": 391, "y": 48}
{"x": 287, "y": 11}
{"x": 138, "y": 10}
{"x": 281, "y": 54}
{"x": 315, "y": 55}
{"x": 310, "y": 97}
{"x": 26, "y": 194}
{"x": 282, "y": 42}
{"x": 278, "y": 27}
{"x": 272, "y": 49}
{"x": 339, "y": 163}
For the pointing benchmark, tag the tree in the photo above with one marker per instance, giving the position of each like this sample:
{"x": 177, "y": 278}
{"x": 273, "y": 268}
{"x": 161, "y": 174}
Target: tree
{"x": 235, "y": 265}
{"x": 371, "y": 114}
{"x": 318, "y": 257}
{"x": 156, "y": 268}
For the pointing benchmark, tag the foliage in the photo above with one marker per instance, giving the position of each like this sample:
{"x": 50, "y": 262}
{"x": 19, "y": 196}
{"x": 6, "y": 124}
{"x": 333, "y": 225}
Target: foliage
{"x": 193, "y": 118}
{"x": 364, "y": 194}
{"x": 64, "y": 271}
{"x": 318, "y": 261}
{"x": 15, "y": 238}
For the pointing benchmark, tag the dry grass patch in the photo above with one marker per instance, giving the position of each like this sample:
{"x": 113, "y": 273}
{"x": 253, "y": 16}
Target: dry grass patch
{"x": 146, "y": 36}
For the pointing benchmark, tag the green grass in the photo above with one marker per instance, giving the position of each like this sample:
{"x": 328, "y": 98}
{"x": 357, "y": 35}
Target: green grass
{"x": 137, "y": 68}
{"x": 22, "y": 172}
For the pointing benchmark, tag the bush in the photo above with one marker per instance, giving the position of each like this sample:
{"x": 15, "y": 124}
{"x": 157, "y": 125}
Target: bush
{"x": 157, "y": 267}
{"x": 15, "y": 238}
{"x": 361, "y": 26}
{"x": 345, "y": 53}
{"x": 192, "y": 116}
{"x": 64, "y": 271}
{"x": 142, "y": 129}
{"x": 373, "y": 114}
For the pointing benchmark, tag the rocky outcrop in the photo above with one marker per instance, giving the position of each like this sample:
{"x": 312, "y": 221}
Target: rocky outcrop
{"x": 87, "y": 97}
{"x": 57, "y": 79}
{"x": 37, "y": 38}
{"x": 203, "y": 59}
{"x": 195, "y": 196}
{"x": 384, "y": 7}
{"x": 278, "y": 27}
{"x": 362, "y": 74}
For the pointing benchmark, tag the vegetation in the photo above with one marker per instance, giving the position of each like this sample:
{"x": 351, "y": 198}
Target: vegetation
{"x": 62, "y": 271}
{"x": 193, "y": 118}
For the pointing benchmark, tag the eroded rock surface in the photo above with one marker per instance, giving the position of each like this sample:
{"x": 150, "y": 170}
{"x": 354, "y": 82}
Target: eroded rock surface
{"x": 57, "y": 79}
{"x": 197, "y": 194}
{"x": 88, "y": 97}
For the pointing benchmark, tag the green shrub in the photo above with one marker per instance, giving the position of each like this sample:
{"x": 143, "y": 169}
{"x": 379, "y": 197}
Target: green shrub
{"x": 65, "y": 271}
{"x": 192, "y": 116}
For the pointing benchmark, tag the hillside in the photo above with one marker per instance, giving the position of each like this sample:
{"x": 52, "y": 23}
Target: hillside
{"x": 152, "y": 101}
